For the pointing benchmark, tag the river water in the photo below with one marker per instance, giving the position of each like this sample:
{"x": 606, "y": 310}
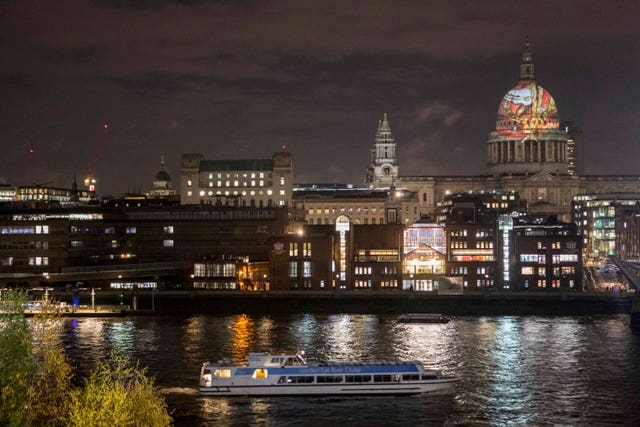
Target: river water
{"x": 515, "y": 370}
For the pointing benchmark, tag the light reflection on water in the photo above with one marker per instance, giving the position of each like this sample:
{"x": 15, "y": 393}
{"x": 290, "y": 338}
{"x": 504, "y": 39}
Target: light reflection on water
{"x": 514, "y": 370}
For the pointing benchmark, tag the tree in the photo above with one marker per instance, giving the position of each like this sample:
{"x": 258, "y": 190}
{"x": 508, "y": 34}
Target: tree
{"x": 16, "y": 363}
{"x": 118, "y": 393}
{"x": 48, "y": 397}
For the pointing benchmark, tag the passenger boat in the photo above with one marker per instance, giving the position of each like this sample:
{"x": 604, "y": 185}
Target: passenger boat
{"x": 423, "y": 318}
{"x": 267, "y": 374}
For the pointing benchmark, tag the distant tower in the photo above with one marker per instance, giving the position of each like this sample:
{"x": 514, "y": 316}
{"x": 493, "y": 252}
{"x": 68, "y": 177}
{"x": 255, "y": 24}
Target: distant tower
{"x": 383, "y": 170}
{"x": 73, "y": 197}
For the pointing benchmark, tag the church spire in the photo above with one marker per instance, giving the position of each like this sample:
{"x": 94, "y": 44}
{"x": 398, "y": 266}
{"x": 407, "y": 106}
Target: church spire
{"x": 527, "y": 74}
{"x": 74, "y": 187}
{"x": 383, "y": 133}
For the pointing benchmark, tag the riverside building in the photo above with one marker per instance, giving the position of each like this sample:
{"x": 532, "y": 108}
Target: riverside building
{"x": 323, "y": 204}
{"x": 138, "y": 242}
{"x": 595, "y": 216}
{"x": 473, "y": 236}
{"x": 239, "y": 183}
{"x": 548, "y": 255}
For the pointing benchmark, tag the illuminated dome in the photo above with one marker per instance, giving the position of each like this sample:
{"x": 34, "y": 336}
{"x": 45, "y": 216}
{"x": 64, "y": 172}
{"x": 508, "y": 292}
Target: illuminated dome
{"x": 526, "y": 109}
{"x": 527, "y": 137}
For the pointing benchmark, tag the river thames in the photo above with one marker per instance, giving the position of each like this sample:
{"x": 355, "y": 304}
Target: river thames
{"x": 515, "y": 370}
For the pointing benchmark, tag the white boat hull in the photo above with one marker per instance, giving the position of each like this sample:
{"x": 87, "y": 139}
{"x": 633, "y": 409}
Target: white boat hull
{"x": 340, "y": 389}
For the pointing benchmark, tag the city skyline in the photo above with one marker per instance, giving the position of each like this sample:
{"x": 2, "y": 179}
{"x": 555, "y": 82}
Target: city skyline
{"x": 107, "y": 88}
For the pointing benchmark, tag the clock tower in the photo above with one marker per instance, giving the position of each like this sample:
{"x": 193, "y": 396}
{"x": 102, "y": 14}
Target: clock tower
{"x": 383, "y": 170}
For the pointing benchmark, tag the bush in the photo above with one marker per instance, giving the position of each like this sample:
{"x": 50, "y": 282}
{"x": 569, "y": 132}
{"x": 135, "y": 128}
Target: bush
{"x": 117, "y": 393}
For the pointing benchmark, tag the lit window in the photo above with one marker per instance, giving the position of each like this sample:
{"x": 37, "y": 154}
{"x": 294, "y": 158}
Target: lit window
{"x": 282, "y": 192}
{"x": 210, "y": 183}
{"x": 109, "y": 230}
{"x": 306, "y": 269}
{"x": 189, "y": 193}
{"x": 167, "y": 243}
{"x": 261, "y": 183}
{"x": 293, "y": 269}
{"x": 210, "y": 193}
{"x": 168, "y": 229}
{"x": 201, "y": 192}
{"x": 236, "y": 183}
{"x": 253, "y": 175}
{"x": 269, "y": 192}
{"x": 261, "y": 175}
{"x": 189, "y": 183}
{"x": 282, "y": 180}
{"x": 131, "y": 230}
{"x": 210, "y": 176}
{"x": 219, "y": 183}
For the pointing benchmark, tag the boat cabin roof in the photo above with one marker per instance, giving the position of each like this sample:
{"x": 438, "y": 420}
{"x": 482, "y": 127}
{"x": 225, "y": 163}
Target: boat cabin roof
{"x": 273, "y": 360}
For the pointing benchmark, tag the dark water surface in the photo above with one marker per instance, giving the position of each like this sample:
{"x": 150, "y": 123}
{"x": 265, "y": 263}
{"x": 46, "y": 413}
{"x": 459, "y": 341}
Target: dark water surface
{"x": 516, "y": 371}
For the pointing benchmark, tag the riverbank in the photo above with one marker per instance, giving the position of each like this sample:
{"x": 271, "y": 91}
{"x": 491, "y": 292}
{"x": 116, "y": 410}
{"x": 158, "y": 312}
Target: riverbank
{"x": 469, "y": 303}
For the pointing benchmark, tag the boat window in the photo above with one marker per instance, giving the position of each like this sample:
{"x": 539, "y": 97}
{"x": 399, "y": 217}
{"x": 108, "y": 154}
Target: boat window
{"x": 382, "y": 378}
{"x": 260, "y": 373}
{"x": 222, "y": 373}
{"x": 300, "y": 379}
{"x": 282, "y": 380}
{"x": 276, "y": 360}
{"x": 429, "y": 377}
{"x": 329, "y": 379}
{"x": 410, "y": 377}
{"x": 357, "y": 378}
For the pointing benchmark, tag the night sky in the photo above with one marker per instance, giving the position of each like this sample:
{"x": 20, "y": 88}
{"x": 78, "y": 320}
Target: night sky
{"x": 240, "y": 79}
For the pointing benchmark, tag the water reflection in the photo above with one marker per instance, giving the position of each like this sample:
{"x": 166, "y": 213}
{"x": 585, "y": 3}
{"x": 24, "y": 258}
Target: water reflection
{"x": 509, "y": 382}
{"x": 243, "y": 330}
{"x": 514, "y": 370}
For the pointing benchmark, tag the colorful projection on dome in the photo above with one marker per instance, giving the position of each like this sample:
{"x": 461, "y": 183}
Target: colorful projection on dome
{"x": 525, "y": 109}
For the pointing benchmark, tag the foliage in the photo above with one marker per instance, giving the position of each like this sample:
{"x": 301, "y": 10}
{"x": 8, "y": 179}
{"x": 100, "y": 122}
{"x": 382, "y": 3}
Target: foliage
{"x": 35, "y": 378}
{"x": 17, "y": 365}
{"x": 118, "y": 394}
{"x": 51, "y": 383}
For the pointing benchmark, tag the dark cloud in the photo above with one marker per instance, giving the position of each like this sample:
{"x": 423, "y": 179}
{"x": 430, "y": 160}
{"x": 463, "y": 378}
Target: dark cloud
{"x": 241, "y": 79}
{"x": 158, "y": 4}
